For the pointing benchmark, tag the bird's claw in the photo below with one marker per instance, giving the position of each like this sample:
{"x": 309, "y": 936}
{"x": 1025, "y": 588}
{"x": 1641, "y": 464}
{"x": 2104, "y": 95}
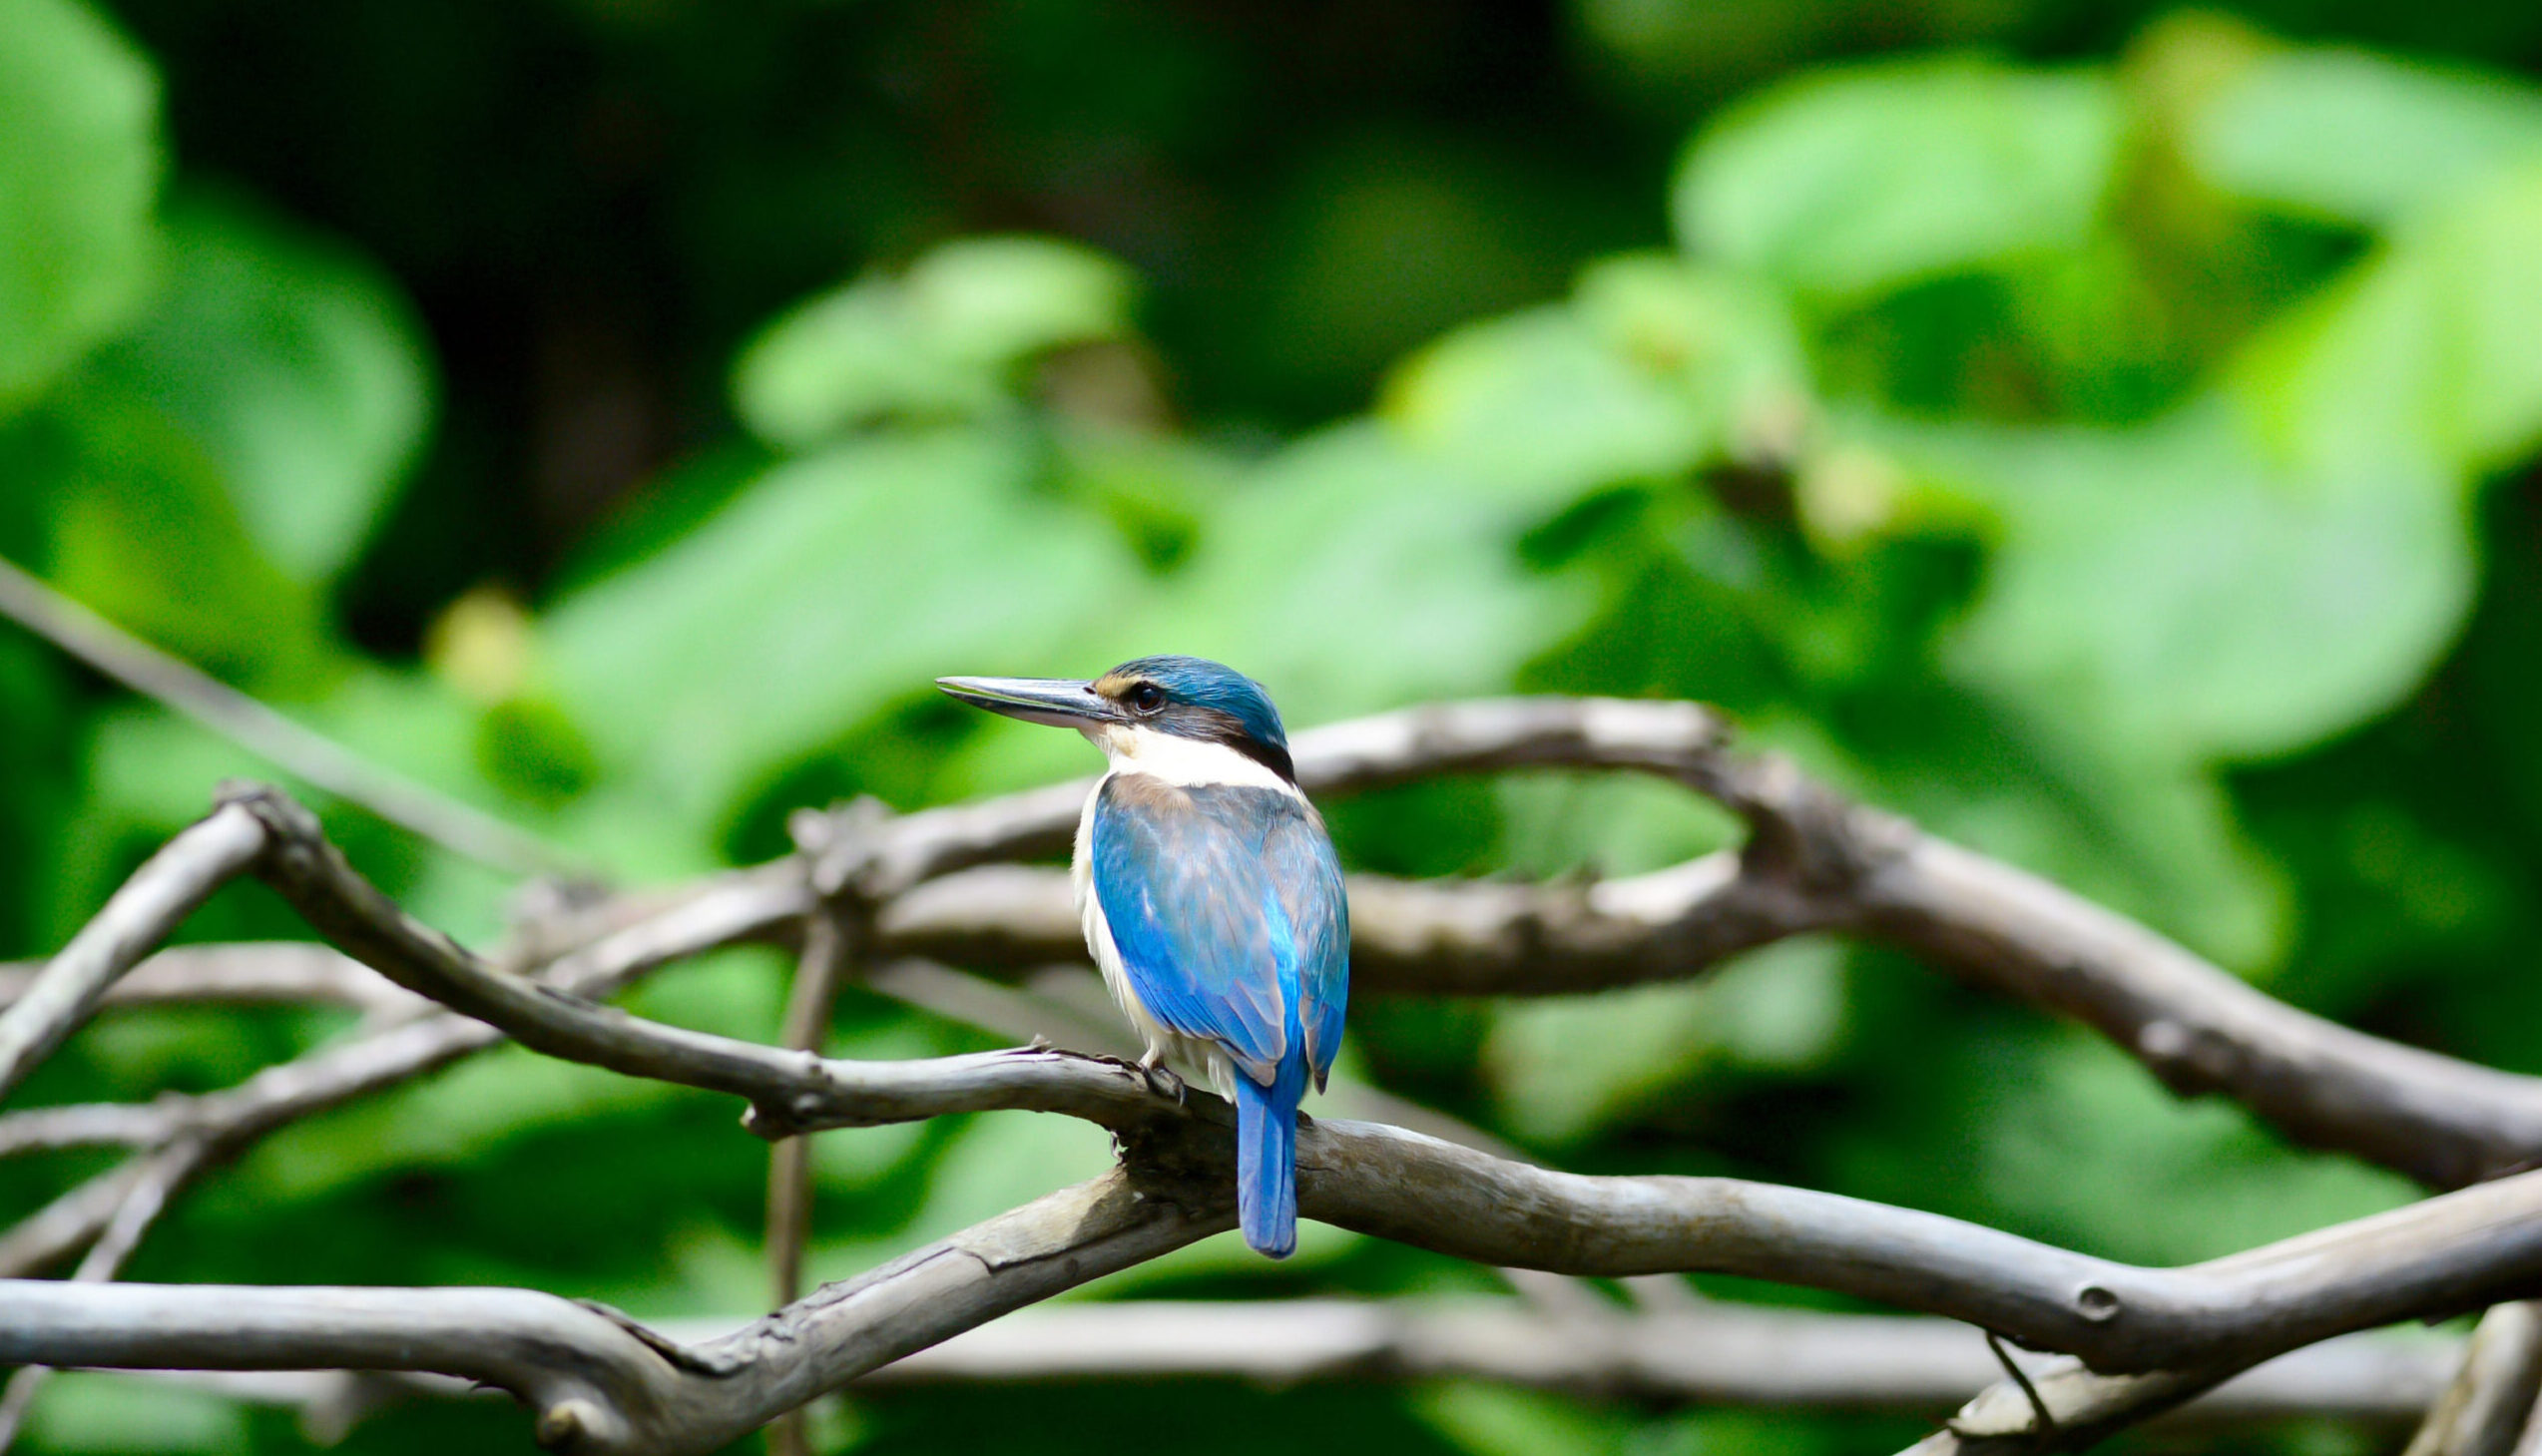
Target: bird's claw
{"x": 1165, "y": 1080}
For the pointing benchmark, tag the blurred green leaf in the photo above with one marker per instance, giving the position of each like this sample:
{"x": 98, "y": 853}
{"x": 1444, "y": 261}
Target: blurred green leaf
{"x": 1853, "y": 182}
{"x": 143, "y": 528}
{"x": 1495, "y": 1421}
{"x": 297, "y": 369}
{"x": 1352, "y": 574}
{"x": 1534, "y": 402}
{"x": 1566, "y": 1067}
{"x": 823, "y": 592}
{"x": 2422, "y": 356}
{"x": 936, "y": 342}
{"x": 997, "y": 300}
{"x": 79, "y": 109}
{"x": 2359, "y": 137}
{"x": 2096, "y": 1156}
{"x": 1727, "y": 341}
{"x": 2170, "y": 588}
{"x": 1605, "y": 824}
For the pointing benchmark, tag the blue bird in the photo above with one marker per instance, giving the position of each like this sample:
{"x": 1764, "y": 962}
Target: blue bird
{"x": 1209, "y": 896}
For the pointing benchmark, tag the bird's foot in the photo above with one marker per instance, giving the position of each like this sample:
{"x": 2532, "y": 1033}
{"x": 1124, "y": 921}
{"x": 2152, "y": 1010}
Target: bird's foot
{"x": 1165, "y": 1080}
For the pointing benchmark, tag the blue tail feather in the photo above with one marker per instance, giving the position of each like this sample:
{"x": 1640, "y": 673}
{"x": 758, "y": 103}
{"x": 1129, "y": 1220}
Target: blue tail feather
{"x": 1267, "y": 1158}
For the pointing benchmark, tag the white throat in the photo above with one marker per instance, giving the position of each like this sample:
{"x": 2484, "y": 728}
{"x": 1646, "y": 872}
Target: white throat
{"x": 1135, "y": 749}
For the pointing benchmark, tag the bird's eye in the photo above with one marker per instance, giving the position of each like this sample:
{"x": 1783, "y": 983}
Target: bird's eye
{"x": 1147, "y": 698}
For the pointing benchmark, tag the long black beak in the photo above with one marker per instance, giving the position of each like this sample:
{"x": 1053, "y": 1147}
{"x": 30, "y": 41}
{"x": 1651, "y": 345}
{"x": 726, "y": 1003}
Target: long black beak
{"x": 1059, "y": 702}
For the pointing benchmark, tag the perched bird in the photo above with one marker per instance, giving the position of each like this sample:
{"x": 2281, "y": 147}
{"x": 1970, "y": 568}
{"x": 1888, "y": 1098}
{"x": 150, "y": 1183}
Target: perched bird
{"x": 1209, "y": 896}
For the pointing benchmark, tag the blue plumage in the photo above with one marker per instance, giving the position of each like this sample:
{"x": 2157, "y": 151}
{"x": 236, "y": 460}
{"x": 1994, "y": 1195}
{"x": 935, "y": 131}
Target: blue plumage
{"x": 1210, "y": 896}
{"x": 1225, "y": 906}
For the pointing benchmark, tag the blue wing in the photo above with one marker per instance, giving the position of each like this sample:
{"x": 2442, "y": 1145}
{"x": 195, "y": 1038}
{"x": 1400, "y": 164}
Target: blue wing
{"x": 1225, "y": 904}
{"x": 1299, "y": 855}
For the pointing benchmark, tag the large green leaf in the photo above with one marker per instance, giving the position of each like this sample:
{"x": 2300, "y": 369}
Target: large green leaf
{"x": 296, "y": 367}
{"x": 2425, "y": 355}
{"x": 2359, "y": 137}
{"x": 1353, "y": 574}
{"x": 141, "y": 526}
{"x": 1851, "y": 182}
{"x": 2091, "y": 1153}
{"x": 1536, "y": 403}
{"x": 2176, "y": 590}
{"x": 1778, "y": 1010}
{"x": 827, "y": 590}
{"x": 936, "y": 342}
{"x": 79, "y": 164}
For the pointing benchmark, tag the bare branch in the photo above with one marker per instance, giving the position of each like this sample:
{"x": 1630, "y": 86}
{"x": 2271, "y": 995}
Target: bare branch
{"x": 159, "y": 896}
{"x": 2485, "y": 1407}
{"x": 254, "y": 972}
{"x": 250, "y": 724}
{"x": 1723, "y": 1355}
{"x": 2437, "y": 1119}
{"x": 2469, "y": 1247}
{"x": 598, "y": 1382}
{"x": 835, "y": 934}
{"x": 1465, "y": 938}
{"x": 1813, "y": 862}
{"x": 2003, "y": 1420}
{"x": 232, "y": 1120}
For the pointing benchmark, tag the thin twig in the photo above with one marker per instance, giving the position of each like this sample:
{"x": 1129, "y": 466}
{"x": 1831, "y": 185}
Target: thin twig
{"x": 254, "y": 972}
{"x": 250, "y": 724}
{"x": 832, "y": 936}
{"x": 389, "y": 1055}
{"x": 160, "y": 895}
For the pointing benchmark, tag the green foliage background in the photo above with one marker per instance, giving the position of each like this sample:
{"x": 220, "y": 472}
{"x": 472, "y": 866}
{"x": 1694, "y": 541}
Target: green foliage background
{"x": 2107, "y": 436}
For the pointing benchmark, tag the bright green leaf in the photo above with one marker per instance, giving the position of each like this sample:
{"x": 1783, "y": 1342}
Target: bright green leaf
{"x": 1855, "y": 182}
{"x": 1535, "y": 404}
{"x": 2359, "y": 137}
{"x": 2424, "y": 356}
{"x": 298, "y": 368}
{"x": 827, "y": 590}
{"x": 1779, "y": 1008}
{"x": 997, "y": 300}
{"x": 79, "y": 111}
{"x": 143, "y": 528}
{"x": 935, "y": 343}
{"x": 2168, "y": 587}
{"x": 1350, "y": 574}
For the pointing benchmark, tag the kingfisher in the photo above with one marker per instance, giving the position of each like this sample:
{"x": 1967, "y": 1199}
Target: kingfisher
{"x": 1209, "y": 896}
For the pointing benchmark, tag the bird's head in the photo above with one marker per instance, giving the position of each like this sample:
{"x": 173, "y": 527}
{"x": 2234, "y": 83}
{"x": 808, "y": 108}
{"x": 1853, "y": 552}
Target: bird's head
{"x": 1143, "y": 702}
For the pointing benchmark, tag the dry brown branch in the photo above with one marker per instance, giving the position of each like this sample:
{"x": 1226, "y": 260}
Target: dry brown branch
{"x": 232, "y": 1119}
{"x": 159, "y": 896}
{"x": 2467, "y": 1248}
{"x": 596, "y": 1382}
{"x": 2484, "y": 1408}
{"x": 1812, "y": 861}
{"x": 1720, "y": 1355}
{"x": 277, "y": 972}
